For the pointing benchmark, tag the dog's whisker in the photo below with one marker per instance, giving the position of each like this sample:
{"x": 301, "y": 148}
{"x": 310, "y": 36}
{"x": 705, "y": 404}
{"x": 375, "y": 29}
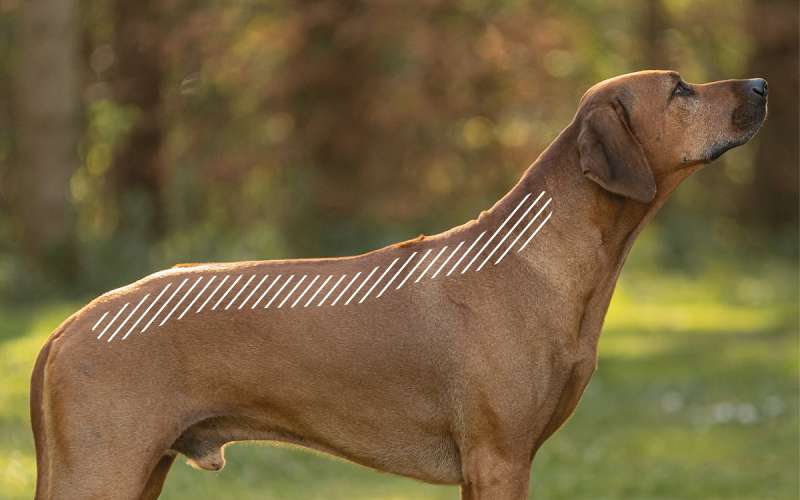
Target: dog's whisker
{"x": 121, "y": 325}
{"x": 523, "y": 231}
{"x": 511, "y": 230}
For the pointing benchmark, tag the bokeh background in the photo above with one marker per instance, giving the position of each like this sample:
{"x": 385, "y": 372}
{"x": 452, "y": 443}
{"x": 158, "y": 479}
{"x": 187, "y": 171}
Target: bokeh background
{"x": 136, "y": 135}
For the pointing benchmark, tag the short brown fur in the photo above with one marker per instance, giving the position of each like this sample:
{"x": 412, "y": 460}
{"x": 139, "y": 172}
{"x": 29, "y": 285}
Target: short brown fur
{"x": 458, "y": 380}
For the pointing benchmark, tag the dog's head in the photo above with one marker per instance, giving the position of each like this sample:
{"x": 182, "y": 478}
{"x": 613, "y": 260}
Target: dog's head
{"x": 636, "y": 127}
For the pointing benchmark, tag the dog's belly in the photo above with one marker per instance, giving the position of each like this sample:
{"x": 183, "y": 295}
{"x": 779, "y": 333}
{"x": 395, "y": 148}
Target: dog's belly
{"x": 422, "y": 456}
{"x": 380, "y": 398}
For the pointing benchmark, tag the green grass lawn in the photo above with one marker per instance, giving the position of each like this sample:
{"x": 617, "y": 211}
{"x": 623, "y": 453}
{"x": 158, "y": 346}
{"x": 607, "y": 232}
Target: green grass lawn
{"x": 696, "y": 397}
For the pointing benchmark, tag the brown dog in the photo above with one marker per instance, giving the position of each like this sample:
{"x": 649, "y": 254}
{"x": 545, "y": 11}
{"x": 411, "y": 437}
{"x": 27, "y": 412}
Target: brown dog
{"x": 448, "y": 358}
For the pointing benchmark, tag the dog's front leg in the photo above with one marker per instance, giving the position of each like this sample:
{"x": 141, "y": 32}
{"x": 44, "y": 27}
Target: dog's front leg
{"x": 493, "y": 474}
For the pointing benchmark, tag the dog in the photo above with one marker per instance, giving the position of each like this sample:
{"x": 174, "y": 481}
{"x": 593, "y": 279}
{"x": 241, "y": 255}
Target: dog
{"x": 448, "y": 358}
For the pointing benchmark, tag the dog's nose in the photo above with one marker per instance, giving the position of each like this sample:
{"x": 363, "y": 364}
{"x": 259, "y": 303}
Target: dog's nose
{"x": 759, "y": 86}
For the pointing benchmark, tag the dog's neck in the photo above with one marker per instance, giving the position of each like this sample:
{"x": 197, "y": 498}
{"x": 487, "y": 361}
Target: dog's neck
{"x": 590, "y": 234}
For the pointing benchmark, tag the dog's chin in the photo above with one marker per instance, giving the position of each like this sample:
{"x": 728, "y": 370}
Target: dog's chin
{"x": 746, "y": 120}
{"x": 720, "y": 148}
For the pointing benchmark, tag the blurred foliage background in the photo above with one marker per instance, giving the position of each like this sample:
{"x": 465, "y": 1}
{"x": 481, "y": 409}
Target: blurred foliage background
{"x": 136, "y": 135}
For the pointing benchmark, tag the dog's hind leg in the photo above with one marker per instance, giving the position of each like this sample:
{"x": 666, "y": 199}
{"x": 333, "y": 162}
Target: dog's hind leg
{"x": 90, "y": 462}
{"x": 98, "y": 441}
{"x": 156, "y": 482}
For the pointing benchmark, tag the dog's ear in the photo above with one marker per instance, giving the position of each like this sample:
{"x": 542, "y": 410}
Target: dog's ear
{"x": 611, "y": 156}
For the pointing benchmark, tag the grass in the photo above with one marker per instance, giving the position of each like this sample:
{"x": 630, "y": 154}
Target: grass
{"x": 696, "y": 397}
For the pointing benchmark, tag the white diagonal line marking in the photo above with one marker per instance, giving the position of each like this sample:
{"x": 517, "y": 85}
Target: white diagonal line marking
{"x": 164, "y": 305}
{"x": 127, "y": 318}
{"x": 214, "y": 292}
{"x": 378, "y": 281}
{"x": 146, "y": 311}
{"x": 240, "y": 292}
{"x": 345, "y": 288}
{"x": 524, "y": 230}
{"x": 168, "y": 316}
{"x": 420, "y": 261}
{"x": 227, "y": 292}
{"x": 318, "y": 290}
{"x": 396, "y": 274}
{"x": 253, "y": 291}
{"x": 358, "y": 289}
{"x": 261, "y": 297}
{"x": 447, "y": 260}
{"x": 113, "y": 319}
{"x": 458, "y": 262}
{"x": 305, "y": 291}
{"x": 293, "y": 290}
{"x": 495, "y": 233}
{"x": 331, "y": 291}
{"x": 200, "y": 294}
{"x": 100, "y": 320}
{"x": 431, "y": 264}
{"x": 514, "y": 226}
{"x": 279, "y": 291}
{"x": 534, "y": 233}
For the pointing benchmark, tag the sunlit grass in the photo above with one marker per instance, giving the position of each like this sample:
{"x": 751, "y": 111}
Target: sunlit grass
{"x": 695, "y": 397}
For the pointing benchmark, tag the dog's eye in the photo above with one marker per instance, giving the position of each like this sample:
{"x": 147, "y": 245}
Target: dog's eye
{"x": 682, "y": 89}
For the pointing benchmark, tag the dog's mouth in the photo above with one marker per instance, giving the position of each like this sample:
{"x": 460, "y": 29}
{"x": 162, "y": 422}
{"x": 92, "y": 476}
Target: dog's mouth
{"x": 719, "y": 149}
{"x": 749, "y": 116}
{"x": 746, "y": 119}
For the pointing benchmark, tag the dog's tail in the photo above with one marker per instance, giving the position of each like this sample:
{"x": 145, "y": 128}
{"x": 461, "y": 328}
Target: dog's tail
{"x": 38, "y": 414}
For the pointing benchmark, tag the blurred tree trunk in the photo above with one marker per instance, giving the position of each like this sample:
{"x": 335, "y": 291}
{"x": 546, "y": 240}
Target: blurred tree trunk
{"x": 774, "y": 193}
{"x": 329, "y": 79}
{"x": 138, "y": 74}
{"x": 47, "y": 117}
{"x": 652, "y": 34}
